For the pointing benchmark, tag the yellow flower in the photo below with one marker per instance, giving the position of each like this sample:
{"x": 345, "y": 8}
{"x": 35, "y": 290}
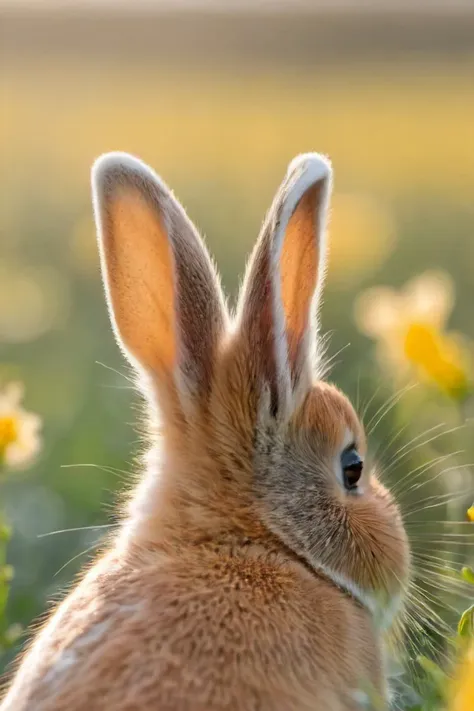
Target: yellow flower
{"x": 19, "y": 430}
{"x": 463, "y": 699}
{"x": 409, "y": 328}
{"x": 470, "y": 513}
{"x": 437, "y": 355}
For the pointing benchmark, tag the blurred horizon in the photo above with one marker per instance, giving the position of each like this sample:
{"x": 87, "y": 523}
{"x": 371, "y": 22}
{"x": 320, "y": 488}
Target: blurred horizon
{"x": 272, "y": 5}
{"x": 238, "y": 34}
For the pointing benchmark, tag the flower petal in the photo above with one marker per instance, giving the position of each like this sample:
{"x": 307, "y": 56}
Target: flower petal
{"x": 429, "y": 298}
{"x": 378, "y": 312}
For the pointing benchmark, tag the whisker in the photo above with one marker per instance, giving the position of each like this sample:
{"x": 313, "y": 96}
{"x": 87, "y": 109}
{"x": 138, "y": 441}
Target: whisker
{"x": 432, "y": 600}
{"x": 446, "y": 583}
{"x": 414, "y": 631}
{"x": 411, "y": 524}
{"x": 71, "y": 560}
{"x": 117, "y": 372}
{"x": 419, "y": 436}
{"x": 426, "y": 566}
{"x": 369, "y": 402}
{"x": 330, "y": 363}
{"x": 451, "y": 575}
{"x": 424, "y": 602}
{"x": 116, "y": 387}
{"x": 442, "y": 500}
{"x": 395, "y": 437}
{"x": 78, "y": 528}
{"x": 427, "y": 617}
{"x": 442, "y": 559}
{"x": 429, "y": 534}
{"x": 442, "y": 563}
{"x": 439, "y": 542}
{"x": 458, "y": 467}
{"x": 358, "y": 391}
{"x": 428, "y": 620}
{"x": 419, "y": 471}
{"x": 407, "y": 449}
{"x": 102, "y": 467}
{"x": 386, "y": 407}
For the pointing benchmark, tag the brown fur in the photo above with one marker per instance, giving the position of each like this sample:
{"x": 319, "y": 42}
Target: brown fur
{"x": 222, "y": 590}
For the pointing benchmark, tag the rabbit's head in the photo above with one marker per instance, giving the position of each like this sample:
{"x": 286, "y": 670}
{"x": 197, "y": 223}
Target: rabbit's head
{"x": 254, "y": 443}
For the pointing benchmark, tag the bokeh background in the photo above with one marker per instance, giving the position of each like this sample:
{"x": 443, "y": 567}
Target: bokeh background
{"x": 218, "y": 97}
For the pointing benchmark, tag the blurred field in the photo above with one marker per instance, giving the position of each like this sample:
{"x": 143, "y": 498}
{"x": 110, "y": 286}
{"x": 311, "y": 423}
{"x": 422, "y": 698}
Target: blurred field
{"x": 400, "y": 134}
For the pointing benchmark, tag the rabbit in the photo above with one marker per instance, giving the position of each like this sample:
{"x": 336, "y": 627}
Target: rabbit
{"x": 259, "y": 562}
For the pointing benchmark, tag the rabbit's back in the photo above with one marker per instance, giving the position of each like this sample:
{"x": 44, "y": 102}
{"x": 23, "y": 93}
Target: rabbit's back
{"x": 212, "y": 631}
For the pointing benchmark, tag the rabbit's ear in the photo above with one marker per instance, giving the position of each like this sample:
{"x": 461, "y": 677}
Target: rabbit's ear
{"x": 165, "y": 301}
{"x": 279, "y": 298}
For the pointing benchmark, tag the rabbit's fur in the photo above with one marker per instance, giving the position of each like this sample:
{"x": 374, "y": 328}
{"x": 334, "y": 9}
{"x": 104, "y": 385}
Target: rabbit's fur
{"x": 244, "y": 575}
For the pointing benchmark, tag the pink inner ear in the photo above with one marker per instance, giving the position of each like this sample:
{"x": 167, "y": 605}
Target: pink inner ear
{"x": 299, "y": 267}
{"x": 140, "y": 269}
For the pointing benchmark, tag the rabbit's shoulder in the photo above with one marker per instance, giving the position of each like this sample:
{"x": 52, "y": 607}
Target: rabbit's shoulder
{"x": 211, "y": 626}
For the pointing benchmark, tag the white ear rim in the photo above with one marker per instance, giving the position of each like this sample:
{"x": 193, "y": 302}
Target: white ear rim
{"x": 304, "y": 171}
{"x": 316, "y": 166}
{"x": 117, "y": 163}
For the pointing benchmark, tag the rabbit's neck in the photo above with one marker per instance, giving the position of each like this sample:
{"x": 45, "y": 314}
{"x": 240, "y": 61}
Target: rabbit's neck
{"x": 187, "y": 497}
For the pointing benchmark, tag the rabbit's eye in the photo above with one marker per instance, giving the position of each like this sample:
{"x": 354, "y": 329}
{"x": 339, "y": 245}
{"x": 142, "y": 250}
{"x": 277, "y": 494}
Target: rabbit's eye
{"x": 352, "y": 466}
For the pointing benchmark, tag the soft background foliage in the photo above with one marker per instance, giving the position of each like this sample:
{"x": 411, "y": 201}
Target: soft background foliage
{"x": 219, "y": 104}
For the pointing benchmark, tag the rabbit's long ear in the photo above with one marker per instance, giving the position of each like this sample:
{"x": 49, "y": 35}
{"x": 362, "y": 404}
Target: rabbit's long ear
{"x": 279, "y": 298}
{"x": 165, "y": 301}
